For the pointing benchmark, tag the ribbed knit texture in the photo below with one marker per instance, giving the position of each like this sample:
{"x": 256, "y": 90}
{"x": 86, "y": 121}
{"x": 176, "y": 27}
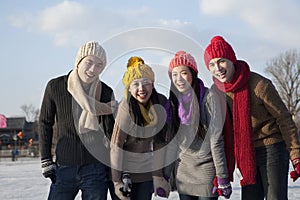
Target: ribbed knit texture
{"x": 136, "y": 69}
{"x": 218, "y": 48}
{"x": 57, "y": 103}
{"x": 244, "y": 154}
{"x": 91, "y": 48}
{"x": 181, "y": 58}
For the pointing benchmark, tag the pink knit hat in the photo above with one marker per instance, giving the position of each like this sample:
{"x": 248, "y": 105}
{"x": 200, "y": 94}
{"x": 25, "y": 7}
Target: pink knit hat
{"x": 185, "y": 59}
{"x": 218, "y": 48}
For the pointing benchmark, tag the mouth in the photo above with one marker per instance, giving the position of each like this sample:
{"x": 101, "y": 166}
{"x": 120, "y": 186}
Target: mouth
{"x": 89, "y": 75}
{"x": 181, "y": 85}
{"x": 142, "y": 95}
{"x": 221, "y": 74}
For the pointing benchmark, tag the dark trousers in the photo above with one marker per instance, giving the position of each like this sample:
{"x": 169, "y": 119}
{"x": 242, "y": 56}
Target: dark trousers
{"x": 91, "y": 179}
{"x": 272, "y": 165}
{"x": 189, "y": 197}
{"x": 142, "y": 191}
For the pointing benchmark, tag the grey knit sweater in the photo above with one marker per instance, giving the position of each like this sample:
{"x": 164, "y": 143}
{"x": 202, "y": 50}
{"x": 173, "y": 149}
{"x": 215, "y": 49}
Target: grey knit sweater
{"x": 201, "y": 160}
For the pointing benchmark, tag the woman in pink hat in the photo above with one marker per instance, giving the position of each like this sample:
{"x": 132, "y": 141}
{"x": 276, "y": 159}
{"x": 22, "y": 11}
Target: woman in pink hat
{"x": 261, "y": 130}
{"x": 196, "y": 126}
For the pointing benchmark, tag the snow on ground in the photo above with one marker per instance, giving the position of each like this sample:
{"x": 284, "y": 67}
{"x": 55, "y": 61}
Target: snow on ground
{"x": 22, "y": 179}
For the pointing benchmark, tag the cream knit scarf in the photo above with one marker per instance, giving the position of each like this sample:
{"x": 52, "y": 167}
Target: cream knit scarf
{"x": 91, "y": 108}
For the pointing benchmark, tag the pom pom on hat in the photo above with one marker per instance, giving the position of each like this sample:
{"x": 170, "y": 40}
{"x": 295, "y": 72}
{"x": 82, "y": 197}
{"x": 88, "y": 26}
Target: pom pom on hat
{"x": 136, "y": 68}
{"x": 135, "y": 60}
{"x": 90, "y": 48}
{"x": 219, "y": 48}
{"x": 185, "y": 59}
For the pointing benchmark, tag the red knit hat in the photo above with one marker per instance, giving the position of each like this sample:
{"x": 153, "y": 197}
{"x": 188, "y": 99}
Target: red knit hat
{"x": 218, "y": 48}
{"x": 185, "y": 59}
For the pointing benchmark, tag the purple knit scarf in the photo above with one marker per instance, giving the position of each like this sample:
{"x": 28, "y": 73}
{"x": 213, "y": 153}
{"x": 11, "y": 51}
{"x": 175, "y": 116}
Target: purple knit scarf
{"x": 185, "y": 104}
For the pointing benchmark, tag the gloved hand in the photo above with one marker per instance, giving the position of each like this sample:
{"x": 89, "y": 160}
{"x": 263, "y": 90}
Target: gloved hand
{"x": 49, "y": 169}
{"x": 296, "y": 173}
{"x": 222, "y": 186}
{"x": 127, "y": 184}
{"x": 161, "y": 186}
{"x": 119, "y": 186}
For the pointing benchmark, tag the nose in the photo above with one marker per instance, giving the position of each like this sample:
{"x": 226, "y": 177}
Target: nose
{"x": 217, "y": 67}
{"x": 93, "y": 68}
{"x": 179, "y": 78}
{"x": 140, "y": 86}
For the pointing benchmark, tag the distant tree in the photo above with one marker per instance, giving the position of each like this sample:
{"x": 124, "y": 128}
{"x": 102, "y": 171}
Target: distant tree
{"x": 285, "y": 72}
{"x": 31, "y": 113}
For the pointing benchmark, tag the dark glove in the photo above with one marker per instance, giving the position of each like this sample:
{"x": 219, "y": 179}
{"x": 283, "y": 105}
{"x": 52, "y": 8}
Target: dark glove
{"x": 49, "y": 169}
{"x": 119, "y": 191}
{"x": 296, "y": 173}
{"x": 127, "y": 184}
{"x": 222, "y": 186}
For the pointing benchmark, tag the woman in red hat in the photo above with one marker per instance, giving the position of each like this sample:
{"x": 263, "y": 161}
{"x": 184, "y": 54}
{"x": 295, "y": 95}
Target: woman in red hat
{"x": 196, "y": 123}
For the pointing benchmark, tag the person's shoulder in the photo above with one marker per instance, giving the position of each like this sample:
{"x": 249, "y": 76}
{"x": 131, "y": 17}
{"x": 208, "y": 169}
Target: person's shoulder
{"x": 257, "y": 76}
{"x": 162, "y": 98}
{"x": 213, "y": 90}
{"x": 58, "y": 80}
{"x": 106, "y": 87}
{"x": 258, "y": 79}
{"x": 161, "y": 95}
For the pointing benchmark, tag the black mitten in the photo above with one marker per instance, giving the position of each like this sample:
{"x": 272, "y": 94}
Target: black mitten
{"x": 49, "y": 169}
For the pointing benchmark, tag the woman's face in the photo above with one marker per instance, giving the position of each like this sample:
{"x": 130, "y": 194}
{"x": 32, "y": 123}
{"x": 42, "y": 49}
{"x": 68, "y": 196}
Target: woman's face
{"x": 141, "y": 90}
{"x": 182, "y": 78}
{"x": 222, "y": 69}
{"x": 90, "y": 68}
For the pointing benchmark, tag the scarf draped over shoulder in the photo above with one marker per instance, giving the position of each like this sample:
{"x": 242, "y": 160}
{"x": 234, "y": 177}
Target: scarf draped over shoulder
{"x": 88, "y": 102}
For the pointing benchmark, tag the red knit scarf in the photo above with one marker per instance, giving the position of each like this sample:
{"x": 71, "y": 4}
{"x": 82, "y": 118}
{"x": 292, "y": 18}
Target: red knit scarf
{"x": 243, "y": 146}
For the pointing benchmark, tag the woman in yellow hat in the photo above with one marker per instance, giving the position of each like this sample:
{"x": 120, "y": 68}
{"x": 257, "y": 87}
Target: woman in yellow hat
{"x": 138, "y": 136}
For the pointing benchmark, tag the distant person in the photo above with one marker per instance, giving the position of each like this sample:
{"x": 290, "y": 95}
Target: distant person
{"x": 13, "y": 155}
{"x": 196, "y": 123}
{"x": 262, "y": 129}
{"x": 80, "y": 94}
{"x": 139, "y": 133}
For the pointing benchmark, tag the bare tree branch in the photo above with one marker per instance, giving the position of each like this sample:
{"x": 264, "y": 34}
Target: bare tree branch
{"x": 285, "y": 72}
{"x": 31, "y": 113}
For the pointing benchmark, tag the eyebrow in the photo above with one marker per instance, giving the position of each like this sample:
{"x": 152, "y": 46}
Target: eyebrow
{"x": 184, "y": 70}
{"x": 90, "y": 60}
{"x": 216, "y": 61}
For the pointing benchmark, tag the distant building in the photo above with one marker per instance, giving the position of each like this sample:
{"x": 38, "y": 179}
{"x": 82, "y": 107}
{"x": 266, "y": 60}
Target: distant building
{"x": 18, "y": 132}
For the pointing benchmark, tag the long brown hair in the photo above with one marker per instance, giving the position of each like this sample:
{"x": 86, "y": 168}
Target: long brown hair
{"x": 173, "y": 100}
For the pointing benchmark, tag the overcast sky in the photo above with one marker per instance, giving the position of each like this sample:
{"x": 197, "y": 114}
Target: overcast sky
{"x": 40, "y": 39}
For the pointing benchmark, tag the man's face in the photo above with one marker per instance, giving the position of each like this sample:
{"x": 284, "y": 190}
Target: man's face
{"x": 222, "y": 69}
{"x": 90, "y": 68}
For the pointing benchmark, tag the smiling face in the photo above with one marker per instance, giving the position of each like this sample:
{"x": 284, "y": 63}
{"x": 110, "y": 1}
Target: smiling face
{"x": 141, "y": 90}
{"x": 222, "y": 69}
{"x": 89, "y": 69}
{"x": 182, "y": 78}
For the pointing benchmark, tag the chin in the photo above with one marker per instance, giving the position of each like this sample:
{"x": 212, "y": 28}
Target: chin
{"x": 143, "y": 101}
{"x": 222, "y": 80}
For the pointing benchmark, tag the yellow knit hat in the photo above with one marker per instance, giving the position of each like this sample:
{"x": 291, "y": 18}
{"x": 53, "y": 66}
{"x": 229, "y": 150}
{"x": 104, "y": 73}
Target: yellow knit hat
{"x": 136, "y": 68}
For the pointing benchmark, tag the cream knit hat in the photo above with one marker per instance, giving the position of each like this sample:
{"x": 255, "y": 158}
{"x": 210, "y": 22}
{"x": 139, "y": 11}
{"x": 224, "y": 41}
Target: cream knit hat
{"x": 90, "y": 48}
